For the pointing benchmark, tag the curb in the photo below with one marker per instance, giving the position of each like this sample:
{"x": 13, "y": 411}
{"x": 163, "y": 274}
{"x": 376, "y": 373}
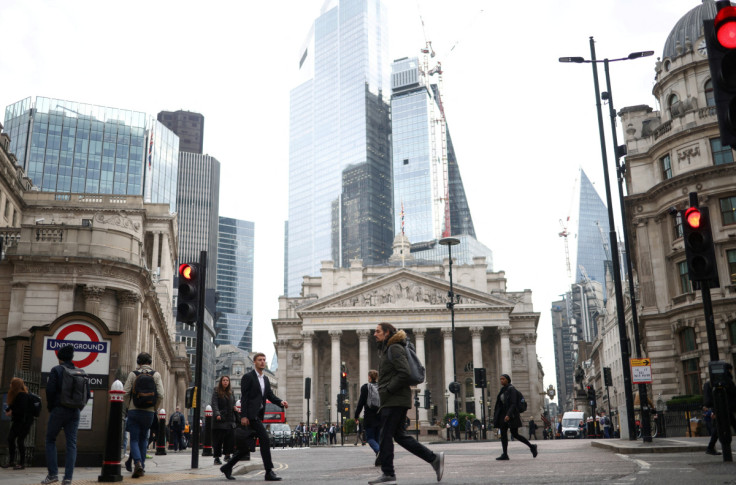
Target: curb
{"x": 676, "y": 447}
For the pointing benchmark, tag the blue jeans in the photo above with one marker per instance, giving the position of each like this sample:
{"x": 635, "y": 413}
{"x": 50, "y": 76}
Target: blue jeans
{"x": 372, "y": 434}
{"x": 68, "y": 420}
{"x": 139, "y": 422}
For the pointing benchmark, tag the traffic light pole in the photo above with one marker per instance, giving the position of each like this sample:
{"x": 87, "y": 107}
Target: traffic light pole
{"x": 201, "y": 274}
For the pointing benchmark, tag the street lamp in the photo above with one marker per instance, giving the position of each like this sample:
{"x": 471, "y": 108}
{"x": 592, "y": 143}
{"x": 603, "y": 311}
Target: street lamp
{"x": 624, "y": 341}
{"x": 454, "y": 385}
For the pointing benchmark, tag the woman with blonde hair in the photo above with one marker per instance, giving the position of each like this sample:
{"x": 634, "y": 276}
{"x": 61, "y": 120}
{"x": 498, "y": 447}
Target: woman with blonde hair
{"x": 223, "y": 419}
{"x": 21, "y": 415}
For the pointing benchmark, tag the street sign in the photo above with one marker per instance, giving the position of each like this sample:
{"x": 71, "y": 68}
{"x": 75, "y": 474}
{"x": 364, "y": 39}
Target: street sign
{"x": 91, "y": 351}
{"x": 641, "y": 371}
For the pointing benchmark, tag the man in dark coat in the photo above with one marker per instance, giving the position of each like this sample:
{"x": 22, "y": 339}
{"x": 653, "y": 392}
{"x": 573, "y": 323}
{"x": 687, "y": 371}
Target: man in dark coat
{"x": 256, "y": 389}
{"x": 506, "y": 417}
{"x": 395, "y": 395}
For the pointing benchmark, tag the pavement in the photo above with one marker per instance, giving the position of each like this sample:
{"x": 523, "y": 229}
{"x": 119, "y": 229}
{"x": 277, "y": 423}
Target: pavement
{"x": 170, "y": 467}
{"x": 658, "y": 445}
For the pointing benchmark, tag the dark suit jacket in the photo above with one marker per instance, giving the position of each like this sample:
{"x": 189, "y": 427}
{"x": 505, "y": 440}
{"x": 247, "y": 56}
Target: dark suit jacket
{"x": 252, "y": 401}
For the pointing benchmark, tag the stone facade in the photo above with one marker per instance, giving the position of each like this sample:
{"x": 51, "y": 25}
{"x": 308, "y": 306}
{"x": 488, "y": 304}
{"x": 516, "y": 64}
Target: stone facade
{"x": 333, "y": 322}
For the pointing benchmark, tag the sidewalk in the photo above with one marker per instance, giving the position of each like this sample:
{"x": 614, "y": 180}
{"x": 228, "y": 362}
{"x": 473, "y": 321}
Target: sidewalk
{"x": 169, "y": 468}
{"x": 658, "y": 445}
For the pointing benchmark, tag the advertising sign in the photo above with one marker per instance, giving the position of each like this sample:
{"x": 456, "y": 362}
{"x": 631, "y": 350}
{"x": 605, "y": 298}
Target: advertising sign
{"x": 91, "y": 352}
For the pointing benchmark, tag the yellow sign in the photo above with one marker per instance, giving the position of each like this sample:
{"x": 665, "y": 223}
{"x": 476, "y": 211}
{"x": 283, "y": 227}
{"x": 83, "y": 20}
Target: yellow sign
{"x": 640, "y": 362}
{"x": 641, "y": 371}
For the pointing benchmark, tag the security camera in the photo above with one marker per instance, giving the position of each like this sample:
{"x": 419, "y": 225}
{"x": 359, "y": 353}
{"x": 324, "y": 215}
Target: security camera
{"x": 673, "y": 211}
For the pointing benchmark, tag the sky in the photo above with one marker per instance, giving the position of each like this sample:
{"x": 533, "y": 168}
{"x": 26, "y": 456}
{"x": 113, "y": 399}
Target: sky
{"x": 522, "y": 123}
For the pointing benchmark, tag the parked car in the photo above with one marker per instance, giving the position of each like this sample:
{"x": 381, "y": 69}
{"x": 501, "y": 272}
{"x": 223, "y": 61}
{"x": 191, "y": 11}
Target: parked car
{"x": 280, "y": 434}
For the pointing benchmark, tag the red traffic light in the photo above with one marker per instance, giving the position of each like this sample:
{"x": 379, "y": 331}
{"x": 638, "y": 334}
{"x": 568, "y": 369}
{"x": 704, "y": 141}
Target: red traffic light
{"x": 187, "y": 271}
{"x": 692, "y": 217}
{"x": 725, "y": 25}
{"x": 344, "y": 374}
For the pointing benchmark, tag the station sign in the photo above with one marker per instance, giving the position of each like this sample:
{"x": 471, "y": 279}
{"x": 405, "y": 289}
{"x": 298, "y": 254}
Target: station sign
{"x": 91, "y": 352}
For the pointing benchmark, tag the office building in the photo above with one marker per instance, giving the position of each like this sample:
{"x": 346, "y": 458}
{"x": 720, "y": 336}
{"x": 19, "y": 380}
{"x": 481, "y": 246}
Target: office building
{"x": 565, "y": 344}
{"x": 72, "y": 147}
{"x": 340, "y": 200}
{"x": 235, "y": 283}
{"x": 189, "y": 126}
{"x": 593, "y": 253}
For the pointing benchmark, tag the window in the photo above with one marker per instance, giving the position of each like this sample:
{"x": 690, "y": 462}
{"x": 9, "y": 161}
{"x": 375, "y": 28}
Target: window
{"x": 687, "y": 340}
{"x": 691, "y": 373}
{"x": 710, "y": 99}
{"x": 721, "y": 154}
{"x": 685, "y": 285}
{"x": 678, "y": 226}
{"x": 666, "y": 167}
{"x": 732, "y": 331}
{"x": 728, "y": 210}
{"x": 731, "y": 257}
{"x": 673, "y": 103}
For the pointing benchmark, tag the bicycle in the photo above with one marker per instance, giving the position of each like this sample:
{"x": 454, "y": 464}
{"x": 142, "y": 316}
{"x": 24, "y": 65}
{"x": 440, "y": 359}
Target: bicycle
{"x": 653, "y": 427}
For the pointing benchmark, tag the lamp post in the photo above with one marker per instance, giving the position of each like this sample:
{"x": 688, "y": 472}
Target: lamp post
{"x": 454, "y": 385}
{"x": 624, "y": 340}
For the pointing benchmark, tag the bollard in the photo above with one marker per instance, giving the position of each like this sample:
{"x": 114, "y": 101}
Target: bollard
{"x": 207, "y": 445}
{"x": 111, "y": 460}
{"x": 161, "y": 438}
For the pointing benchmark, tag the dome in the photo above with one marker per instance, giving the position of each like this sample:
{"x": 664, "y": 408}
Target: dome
{"x": 689, "y": 27}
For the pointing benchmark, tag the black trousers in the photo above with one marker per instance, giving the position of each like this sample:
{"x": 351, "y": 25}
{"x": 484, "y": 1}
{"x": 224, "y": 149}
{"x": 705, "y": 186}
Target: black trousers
{"x": 18, "y": 432}
{"x": 514, "y": 433}
{"x": 393, "y": 420}
{"x": 260, "y": 431}
{"x": 222, "y": 438}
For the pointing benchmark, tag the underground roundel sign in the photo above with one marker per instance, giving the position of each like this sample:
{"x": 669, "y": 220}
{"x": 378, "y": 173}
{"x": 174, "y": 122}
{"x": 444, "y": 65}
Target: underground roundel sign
{"x": 91, "y": 351}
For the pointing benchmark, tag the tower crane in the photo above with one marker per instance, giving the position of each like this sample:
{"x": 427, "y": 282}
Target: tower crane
{"x": 564, "y": 234}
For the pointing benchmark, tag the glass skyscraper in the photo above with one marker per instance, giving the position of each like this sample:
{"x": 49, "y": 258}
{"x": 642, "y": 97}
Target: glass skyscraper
{"x": 340, "y": 196}
{"x": 235, "y": 283}
{"x": 593, "y": 235}
{"x": 74, "y": 147}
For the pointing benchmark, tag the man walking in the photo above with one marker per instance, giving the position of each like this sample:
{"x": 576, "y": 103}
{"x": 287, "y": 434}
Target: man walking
{"x": 255, "y": 389}
{"x": 63, "y": 415}
{"x": 371, "y": 402}
{"x": 176, "y": 428}
{"x": 144, "y": 393}
{"x": 396, "y": 398}
{"x": 532, "y": 429}
{"x": 506, "y": 417}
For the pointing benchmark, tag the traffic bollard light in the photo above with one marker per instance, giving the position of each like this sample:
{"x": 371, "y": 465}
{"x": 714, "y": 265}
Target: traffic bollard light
{"x": 207, "y": 443}
{"x": 111, "y": 461}
{"x": 161, "y": 438}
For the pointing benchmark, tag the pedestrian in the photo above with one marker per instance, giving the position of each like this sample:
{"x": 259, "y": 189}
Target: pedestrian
{"x": 448, "y": 430}
{"x": 371, "y": 402}
{"x": 62, "y": 383}
{"x": 223, "y": 419}
{"x": 468, "y": 428}
{"x": 19, "y": 409}
{"x": 177, "y": 422}
{"x": 532, "y": 429}
{"x": 256, "y": 389}
{"x": 144, "y": 393}
{"x": 507, "y": 418}
{"x": 332, "y": 432}
{"x": 396, "y": 398}
{"x": 581, "y": 429}
{"x": 606, "y": 423}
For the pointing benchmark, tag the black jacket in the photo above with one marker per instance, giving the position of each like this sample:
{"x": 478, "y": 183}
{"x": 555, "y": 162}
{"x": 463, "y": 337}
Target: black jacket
{"x": 370, "y": 419}
{"x": 506, "y": 405}
{"x": 252, "y": 401}
{"x": 223, "y": 406}
{"x": 53, "y": 386}
{"x": 21, "y": 408}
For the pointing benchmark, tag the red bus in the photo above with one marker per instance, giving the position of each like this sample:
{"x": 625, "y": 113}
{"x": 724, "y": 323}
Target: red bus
{"x": 274, "y": 413}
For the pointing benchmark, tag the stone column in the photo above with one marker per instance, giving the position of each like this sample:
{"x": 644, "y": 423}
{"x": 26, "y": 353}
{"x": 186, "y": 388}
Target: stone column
{"x": 92, "y": 299}
{"x": 419, "y": 334}
{"x": 536, "y": 404}
{"x": 505, "y": 350}
{"x": 17, "y": 307}
{"x": 154, "y": 257}
{"x": 181, "y": 389}
{"x": 363, "y": 358}
{"x": 335, "y": 373}
{"x": 308, "y": 363}
{"x": 66, "y": 299}
{"x": 128, "y": 324}
{"x": 449, "y": 371}
{"x": 476, "y": 332}
{"x": 281, "y": 349}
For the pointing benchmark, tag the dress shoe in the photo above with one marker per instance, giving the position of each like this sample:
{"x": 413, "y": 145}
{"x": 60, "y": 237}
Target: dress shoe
{"x": 272, "y": 477}
{"x": 227, "y": 471}
{"x": 534, "y": 451}
{"x": 711, "y": 451}
{"x": 217, "y": 461}
{"x": 503, "y": 457}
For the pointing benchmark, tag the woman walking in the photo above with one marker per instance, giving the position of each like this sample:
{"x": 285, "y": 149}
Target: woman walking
{"x": 20, "y": 411}
{"x": 223, "y": 419}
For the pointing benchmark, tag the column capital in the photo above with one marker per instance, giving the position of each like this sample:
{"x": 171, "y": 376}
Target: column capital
{"x": 419, "y": 332}
{"x": 447, "y": 332}
{"x": 335, "y": 334}
{"x": 530, "y": 337}
{"x": 363, "y": 333}
{"x": 93, "y": 293}
{"x": 504, "y": 330}
{"x": 127, "y": 297}
{"x": 476, "y": 331}
{"x": 308, "y": 335}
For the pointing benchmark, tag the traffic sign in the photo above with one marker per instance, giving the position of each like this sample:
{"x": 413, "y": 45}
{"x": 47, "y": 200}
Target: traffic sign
{"x": 641, "y": 371}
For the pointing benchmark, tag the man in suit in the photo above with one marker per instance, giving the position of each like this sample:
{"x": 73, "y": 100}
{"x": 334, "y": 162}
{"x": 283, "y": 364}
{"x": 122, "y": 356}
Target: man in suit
{"x": 255, "y": 390}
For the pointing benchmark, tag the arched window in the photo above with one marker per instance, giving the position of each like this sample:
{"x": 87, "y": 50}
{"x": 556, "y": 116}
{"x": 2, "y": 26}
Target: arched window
{"x": 672, "y": 100}
{"x": 710, "y": 99}
{"x": 673, "y": 103}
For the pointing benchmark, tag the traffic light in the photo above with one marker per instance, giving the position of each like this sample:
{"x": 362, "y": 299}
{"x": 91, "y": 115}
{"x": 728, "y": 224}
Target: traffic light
{"x": 427, "y": 399}
{"x": 187, "y": 308}
{"x": 344, "y": 380}
{"x": 591, "y": 395}
{"x": 607, "y": 378}
{"x": 720, "y": 38}
{"x": 699, "y": 249}
{"x": 340, "y": 401}
{"x": 480, "y": 377}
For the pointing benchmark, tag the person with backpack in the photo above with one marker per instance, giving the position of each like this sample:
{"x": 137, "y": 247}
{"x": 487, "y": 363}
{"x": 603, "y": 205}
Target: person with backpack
{"x": 507, "y": 416}
{"x": 20, "y": 410}
{"x": 223, "y": 420}
{"x": 67, "y": 392}
{"x": 144, "y": 393}
{"x": 395, "y": 394}
{"x": 177, "y": 421}
{"x": 371, "y": 402}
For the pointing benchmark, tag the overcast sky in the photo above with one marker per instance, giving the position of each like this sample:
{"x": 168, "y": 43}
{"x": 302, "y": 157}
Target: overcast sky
{"x": 522, "y": 123}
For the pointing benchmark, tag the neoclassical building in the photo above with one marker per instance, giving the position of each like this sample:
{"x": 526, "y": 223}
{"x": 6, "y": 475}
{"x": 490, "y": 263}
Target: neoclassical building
{"x": 671, "y": 153}
{"x": 332, "y": 323}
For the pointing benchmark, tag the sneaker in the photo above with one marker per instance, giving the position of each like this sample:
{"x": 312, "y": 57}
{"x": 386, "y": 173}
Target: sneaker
{"x": 217, "y": 461}
{"x": 503, "y": 457}
{"x": 227, "y": 458}
{"x": 50, "y": 479}
{"x": 138, "y": 472}
{"x": 148, "y": 457}
{"x": 9, "y": 465}
{"x": 711, "y": 451}
{"x": 66, "y": 481}
{"x": 378, "y": 461}
{"x": 439, "y": 464}
{"x": 534, "y": 451}
{"x": 385, "y": 479}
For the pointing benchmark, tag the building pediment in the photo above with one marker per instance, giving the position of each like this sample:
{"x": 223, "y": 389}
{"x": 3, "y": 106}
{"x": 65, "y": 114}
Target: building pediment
{"x": 405, "y": 289}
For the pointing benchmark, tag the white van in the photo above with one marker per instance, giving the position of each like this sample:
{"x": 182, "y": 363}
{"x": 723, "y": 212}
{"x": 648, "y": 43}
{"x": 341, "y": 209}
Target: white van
{"x": 570, "y": 422}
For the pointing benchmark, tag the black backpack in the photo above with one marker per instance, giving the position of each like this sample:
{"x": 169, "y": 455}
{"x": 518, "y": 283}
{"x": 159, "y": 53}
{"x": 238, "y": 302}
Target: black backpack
{"x": 35, "y": 400}
{"x": 520, "y": 402}
{"x": 144, "y": 391}
{"x": 74, "y": 388}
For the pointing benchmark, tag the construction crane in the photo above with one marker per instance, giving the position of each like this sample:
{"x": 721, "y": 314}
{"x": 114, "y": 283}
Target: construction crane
{"x": 564, "y": 234}
{"x": 603, "y": 241}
